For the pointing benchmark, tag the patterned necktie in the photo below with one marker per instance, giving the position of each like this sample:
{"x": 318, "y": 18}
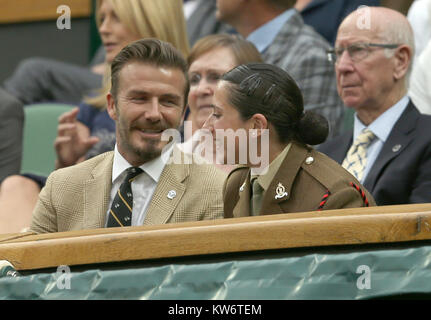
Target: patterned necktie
{"x": 120, "y": 214}
{"x": 356, "y": 159}
{"x": 256, "y": 197}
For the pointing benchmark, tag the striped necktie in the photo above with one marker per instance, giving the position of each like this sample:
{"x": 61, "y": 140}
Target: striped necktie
{"x": 356, "y": 159}
{"x": 120, "y": 214}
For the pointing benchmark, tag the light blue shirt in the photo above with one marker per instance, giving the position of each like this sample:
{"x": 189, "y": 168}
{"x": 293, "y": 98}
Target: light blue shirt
{"x": 265, "y": 35}
{"x": 381, "y": 127}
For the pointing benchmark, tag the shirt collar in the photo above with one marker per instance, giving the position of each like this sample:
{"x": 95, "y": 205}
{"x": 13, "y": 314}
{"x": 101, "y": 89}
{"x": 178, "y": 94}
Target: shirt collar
{"x": 266, "y": 179}
{"x": 265, "y": 34}
{"x": 382, "y": 126}
{"x": 153, "y": 168}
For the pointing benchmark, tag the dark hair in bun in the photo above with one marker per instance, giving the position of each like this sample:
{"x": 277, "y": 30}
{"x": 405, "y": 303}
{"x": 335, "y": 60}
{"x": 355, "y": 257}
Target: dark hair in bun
{"x": 266, "y": 89}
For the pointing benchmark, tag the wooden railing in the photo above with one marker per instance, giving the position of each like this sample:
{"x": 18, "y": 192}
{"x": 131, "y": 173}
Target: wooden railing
{"x": 331, "y": 228}
{"x": 15, "y": 11}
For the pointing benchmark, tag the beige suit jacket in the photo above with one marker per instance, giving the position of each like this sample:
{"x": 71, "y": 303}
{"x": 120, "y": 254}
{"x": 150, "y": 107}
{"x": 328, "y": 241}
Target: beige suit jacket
{"x": 77, "y": 197}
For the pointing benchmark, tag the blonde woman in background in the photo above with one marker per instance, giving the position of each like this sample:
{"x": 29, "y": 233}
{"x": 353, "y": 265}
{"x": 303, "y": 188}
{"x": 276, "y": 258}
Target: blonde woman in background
{"x": 88, "y": 130}
{"x": 136, "y": 19}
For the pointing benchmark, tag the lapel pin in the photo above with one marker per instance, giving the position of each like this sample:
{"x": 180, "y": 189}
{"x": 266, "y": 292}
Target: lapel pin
{"x": 242, "y": 187}
{"x": 280, "y": 192}
{"x": 396, "y": 148}
{"x": 172, "y": 194}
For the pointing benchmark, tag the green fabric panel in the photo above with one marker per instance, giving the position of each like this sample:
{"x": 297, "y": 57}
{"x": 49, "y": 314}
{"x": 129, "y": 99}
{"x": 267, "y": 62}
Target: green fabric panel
{"x": 40, "y": 131}
{"x": 317, "y": 276}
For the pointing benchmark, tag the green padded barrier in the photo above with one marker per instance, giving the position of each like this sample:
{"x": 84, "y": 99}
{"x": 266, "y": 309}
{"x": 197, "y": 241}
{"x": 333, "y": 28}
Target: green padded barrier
{"x": 40, "y": 130}
{"x": 371, "y": 274}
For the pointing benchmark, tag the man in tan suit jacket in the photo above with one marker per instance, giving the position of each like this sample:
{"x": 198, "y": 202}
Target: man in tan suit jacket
{"x": 148, "y": 95}
{"x": 78, "y": 197}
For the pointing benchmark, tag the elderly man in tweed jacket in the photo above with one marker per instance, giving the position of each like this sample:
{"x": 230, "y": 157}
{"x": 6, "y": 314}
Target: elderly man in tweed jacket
{"x": 136, "y": 184}
{"x": 278, "y": 31}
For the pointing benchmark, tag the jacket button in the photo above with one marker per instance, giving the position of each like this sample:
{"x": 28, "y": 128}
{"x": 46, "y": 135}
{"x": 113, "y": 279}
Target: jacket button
{"x": 309, "y": 160}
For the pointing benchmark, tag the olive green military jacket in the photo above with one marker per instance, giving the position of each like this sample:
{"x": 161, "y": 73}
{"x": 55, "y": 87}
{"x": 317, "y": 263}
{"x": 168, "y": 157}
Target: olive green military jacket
{"x": 307, "y": 180}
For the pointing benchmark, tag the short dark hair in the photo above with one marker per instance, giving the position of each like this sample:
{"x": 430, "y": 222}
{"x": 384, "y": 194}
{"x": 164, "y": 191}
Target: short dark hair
{"x": 269, "y": 90}
{"x": 149, "y": 51}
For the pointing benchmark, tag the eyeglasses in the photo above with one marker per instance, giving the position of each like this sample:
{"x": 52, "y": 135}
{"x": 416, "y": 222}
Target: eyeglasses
{"x": 357, "y": 51}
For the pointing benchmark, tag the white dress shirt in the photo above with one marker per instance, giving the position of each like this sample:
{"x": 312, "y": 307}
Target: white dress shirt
{"x": 143, "y": 186}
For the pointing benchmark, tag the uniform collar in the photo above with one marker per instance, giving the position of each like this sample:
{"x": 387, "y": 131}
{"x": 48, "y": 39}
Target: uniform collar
{"x": 266, "y": 179}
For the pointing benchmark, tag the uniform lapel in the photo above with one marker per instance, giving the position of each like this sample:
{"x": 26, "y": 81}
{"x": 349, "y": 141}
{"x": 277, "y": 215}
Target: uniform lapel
{"x": 169, "y": 191}
{"x": 280, "y": 188}
{"x": 97, "y": 192}
{"x": 400, "y": 137}
{"x": 242, "y": 207}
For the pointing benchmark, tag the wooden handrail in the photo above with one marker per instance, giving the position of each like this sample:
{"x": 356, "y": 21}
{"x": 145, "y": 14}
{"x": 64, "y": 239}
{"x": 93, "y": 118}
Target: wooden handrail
{"x": 13, "y": 11}
{"x": 330, "y": 228}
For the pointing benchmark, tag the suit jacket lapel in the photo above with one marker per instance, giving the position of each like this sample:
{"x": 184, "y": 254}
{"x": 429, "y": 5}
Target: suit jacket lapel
{"x": 169, "y": 191}
{"x": 97, "y": 193}
{"x": 280, "y": 188}
{"x": 400, "y": 137}
{"x": 342, "y": 148}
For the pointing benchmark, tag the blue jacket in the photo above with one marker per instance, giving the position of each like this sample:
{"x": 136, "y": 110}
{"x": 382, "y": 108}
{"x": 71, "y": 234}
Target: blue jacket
{"x": 325, "y": 16}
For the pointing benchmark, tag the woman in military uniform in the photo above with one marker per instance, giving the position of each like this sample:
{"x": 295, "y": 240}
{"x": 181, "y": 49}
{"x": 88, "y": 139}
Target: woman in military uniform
{"x": 263, "y": 101}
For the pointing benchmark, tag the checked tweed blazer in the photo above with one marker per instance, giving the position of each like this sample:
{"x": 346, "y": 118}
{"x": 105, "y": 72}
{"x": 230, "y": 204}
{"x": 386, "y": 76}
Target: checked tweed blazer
{"x": 77, "y": 197}
{"x": 301, "y": 51}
